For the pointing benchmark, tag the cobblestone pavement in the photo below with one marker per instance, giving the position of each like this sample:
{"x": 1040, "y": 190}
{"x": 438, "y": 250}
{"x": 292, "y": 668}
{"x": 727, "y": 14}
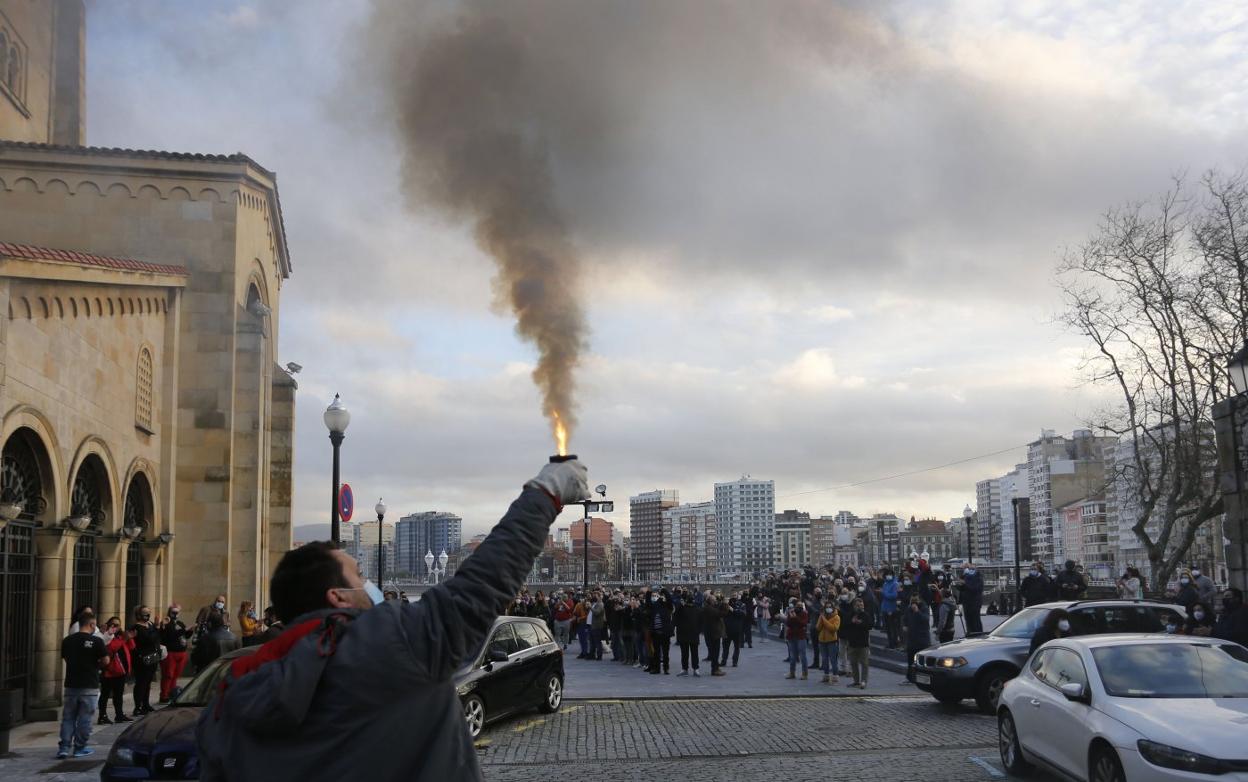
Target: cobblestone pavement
{"x": 880, "y": 738}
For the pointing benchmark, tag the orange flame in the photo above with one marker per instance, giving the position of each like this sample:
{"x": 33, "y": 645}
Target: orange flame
{"x": 561, "y": 435}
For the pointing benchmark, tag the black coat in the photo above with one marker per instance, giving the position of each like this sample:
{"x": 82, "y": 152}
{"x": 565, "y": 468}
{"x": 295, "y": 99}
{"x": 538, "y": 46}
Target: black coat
{"x": 857, "y": 635}
{"x": 712, "y": 622}
{"x": 1036, "y": 589}
{"x": 664, "y": 611}
{"x": 688, "y": 620}
{"x": 918, "y": 629}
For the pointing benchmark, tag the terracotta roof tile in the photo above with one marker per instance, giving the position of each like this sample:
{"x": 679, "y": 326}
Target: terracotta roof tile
{"x": 32, "y": 253}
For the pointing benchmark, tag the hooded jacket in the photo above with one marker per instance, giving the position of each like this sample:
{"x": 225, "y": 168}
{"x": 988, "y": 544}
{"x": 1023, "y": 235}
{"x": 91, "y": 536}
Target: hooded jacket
{"x": 355, "y": 694}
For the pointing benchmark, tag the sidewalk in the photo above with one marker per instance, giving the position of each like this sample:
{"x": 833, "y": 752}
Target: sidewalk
{"x": 33, "y": 746}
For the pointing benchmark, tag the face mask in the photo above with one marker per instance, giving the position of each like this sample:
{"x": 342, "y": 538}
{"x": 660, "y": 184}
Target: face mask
{"x": 374, "y": 593}
{"x": 251, "y": 614}
{"x": 654, "y": 598}
{"x": 1185, "y": 581}
{"x": 970, "y": 571}
{"x": 862, "y": 587}
{"x": 1170, "y": 629}
{"x": 1064, "y": 626}
{"x": 173, "y": 614}
{"x": 218, "y": 605}
{"x": 906, "y": 582}
{"x": 1035, "y": 573}
{"x": 1195, "y": 573}
{"x": 145, "y": 617}
{"x": 888, "y": 578}
{"x": 828, "y": 610}
{"x": 1199, "y": 615}
{"x": 844, "y": 598}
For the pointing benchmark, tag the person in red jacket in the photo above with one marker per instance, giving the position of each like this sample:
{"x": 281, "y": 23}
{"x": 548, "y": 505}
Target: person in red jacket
{"x": 795, "y": 633}
{"x": 113, "y": 679}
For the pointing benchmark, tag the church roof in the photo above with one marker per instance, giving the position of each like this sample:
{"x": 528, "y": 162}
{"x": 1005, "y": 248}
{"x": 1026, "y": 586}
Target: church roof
{"x": 32, "y": 253}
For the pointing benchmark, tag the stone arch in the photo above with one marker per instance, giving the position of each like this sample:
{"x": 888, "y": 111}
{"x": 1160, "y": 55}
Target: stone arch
{"x": 179, "y": 193}
{"x": 209, "y": 194}
{"x": 141, "y": 476}
{"x": 92, "y": 484}
{"x": 26, "y": 308}
{"x": 121, "y": 306}
{"x": 73, "y": 307}
{"x": 111, "y": 311}
{"x": 149, "y": 191}
{"x": 30, "y": 423}
{"x": 129, "y": 306}
{"x": 119, "y": 188}
{"x": 99, "y": 307}
{"x": 60, "y": 308}
{"x": 58, "y": 186}
{"x": 87, "y": 187}
{"x": 47, "y": 311}
{"x": 25, "y": 185}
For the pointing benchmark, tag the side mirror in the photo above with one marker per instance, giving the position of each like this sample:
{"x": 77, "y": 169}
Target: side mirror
{"x": 496, "y": 655}
{"x": 1073, "y": 691}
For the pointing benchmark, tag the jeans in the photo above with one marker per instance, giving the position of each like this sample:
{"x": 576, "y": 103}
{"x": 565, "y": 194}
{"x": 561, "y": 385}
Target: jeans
{"x": 595, "y": 643}
{"x": 859, "y": 659}
{"x": 812, "y": 633}
{"x": 688, "y": 654}
{"x": 643, "y": 648}
{"x": 617, "y": 648}
{"x": 582, "y": 635}
{"x": 974, "y": 620}
{"x": 563, "y": 632}
{"x": 662, "y": 647}
{"x": 892, "y": 624}
{"x": 628, "y": 647}
{"x": 170, "y": 669}
{"x": 143, "y": 676}
{"x": 77, "y": 716}
{"x": 829, "y": 649}
{"x": 843, "y": 657}
{"x": 797, "y": 650}
{"x": 735, "y": 640}
{"x": 112, "y": 688}
{"x": 749, "y": 634}
{"x": 910, "y": 655}
{"x": 762, "y": 627}
{"x": 712, "y": 644}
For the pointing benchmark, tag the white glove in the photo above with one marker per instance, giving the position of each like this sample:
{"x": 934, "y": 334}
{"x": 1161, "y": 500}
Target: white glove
{"x": 565, "y": 481}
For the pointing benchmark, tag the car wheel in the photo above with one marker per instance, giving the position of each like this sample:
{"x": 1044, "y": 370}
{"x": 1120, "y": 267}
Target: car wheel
{"x": 474, "y": 714}
{"x": 988, "y": 689}
{"x": 553, "y": 695}
{"x": 1105, "y": 767}
{"x": 1007, "y": 741}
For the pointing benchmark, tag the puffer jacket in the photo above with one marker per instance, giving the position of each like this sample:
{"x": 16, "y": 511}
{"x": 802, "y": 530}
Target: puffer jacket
{"x": 367, "y": 694}
{"x": 829, "y": 626}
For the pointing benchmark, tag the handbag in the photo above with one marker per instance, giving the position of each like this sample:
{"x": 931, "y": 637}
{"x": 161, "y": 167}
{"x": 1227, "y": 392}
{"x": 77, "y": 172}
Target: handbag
{"x": 164, "y": 651}
{"x": 150, "y": 659}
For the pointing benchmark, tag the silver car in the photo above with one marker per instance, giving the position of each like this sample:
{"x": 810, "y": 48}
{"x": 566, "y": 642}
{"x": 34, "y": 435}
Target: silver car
{"x": 979, "y": 667}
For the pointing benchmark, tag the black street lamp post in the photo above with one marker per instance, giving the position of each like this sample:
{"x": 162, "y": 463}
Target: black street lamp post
{"x": 337, "y": 418}
{"x": 603, "y": 506}
{"x": 967, "y": 515}
{"x": 381, "y": 549}
{"x": 1018, "y": 584}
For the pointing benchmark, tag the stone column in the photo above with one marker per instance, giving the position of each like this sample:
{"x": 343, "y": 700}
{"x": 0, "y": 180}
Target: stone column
{"x": 281, "y": 467}
{"x": 54, "y": 550}
{"x": 153, "y": 559}
{"x": 246, "y": 511}
{"x": 112, "y": 552}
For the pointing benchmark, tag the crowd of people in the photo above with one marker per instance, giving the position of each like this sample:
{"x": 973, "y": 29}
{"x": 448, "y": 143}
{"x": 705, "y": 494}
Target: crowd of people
{"x": 101, "y": 658}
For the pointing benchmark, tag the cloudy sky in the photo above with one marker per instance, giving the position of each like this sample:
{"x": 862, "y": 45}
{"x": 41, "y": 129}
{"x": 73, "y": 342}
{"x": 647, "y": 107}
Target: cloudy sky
{"x": 817, "y": 240}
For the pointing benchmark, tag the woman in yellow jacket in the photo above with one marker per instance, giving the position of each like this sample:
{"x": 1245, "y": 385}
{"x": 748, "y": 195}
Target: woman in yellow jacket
{"x": 247, "y": 620}
{"x": 828, "y": 629}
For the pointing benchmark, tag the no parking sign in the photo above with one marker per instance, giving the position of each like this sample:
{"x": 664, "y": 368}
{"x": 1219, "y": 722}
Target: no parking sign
{"x": 346, "y": 502}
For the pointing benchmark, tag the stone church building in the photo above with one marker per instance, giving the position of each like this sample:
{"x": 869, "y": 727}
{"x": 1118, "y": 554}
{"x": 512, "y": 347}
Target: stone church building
{"x": 146, "y": 426}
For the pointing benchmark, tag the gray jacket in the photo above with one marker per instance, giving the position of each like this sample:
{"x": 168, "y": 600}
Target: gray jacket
{"x": 368, "y": 694}
{"x": 1207, "y": 592}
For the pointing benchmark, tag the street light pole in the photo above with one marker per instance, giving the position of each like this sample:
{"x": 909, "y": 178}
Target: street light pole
{"x": 967, "y": 513}
{"x": 381, "y": 551}
{"x": 1018, "y": 584}
{"x": 336, "y": 418}
{"x": 585, "y": 546}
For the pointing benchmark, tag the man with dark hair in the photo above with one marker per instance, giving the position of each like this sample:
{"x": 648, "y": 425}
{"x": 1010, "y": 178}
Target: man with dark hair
{"x": 358, "y": 687}
{"x": 85, "y": 655}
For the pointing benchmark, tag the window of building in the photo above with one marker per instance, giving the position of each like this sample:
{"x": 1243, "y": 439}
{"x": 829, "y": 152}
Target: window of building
{"x": 144, "y": 398}
{"x": 12, "y": 62}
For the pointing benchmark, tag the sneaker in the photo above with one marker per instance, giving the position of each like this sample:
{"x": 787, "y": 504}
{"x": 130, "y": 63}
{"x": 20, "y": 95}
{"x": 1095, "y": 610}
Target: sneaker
{"x": 790, "y": 676}
{"x": 683, "y": 673}
{"x": 695, "y": 673}
{"x": 61, "y": 754}
{"x": 862, "y": 686}
{"x": 718, "y": 672}
{"x": 825, "y": 680}
{"x": 82, "y": 752}
{"x": 104, "y": 721}
{"x": 122, "y": 718}
{"x": 835, "y": 680}
{"x": 803, "y": 675}
{"x": 734, "y": 665}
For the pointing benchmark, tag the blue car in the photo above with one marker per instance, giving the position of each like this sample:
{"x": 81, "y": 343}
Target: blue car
{"x": 162, "y": 744}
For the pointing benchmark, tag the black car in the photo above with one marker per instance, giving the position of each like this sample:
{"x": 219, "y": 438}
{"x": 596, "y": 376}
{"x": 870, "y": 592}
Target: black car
{"x": 518, "y": 667}
{"x": 162, "y": 744}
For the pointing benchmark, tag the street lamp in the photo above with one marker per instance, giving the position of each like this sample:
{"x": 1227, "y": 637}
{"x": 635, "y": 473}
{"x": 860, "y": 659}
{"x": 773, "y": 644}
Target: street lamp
{"x": 967, "y": 513}
{"x": 442, "y": 558}
{"x": 1018, "y": 584}
{"x": 337, "y": 418}
{"x": 1238, "y": 368}
{"x": 381, "y": 552}
{"x": 428, "y": 566}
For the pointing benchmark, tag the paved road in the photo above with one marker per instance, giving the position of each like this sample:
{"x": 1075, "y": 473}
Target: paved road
{"x": 875, "y": 737}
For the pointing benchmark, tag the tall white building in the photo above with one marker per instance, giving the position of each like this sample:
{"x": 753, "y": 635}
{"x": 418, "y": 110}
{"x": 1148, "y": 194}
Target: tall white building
{"x": 1014, "y": 486}
{"x": 745, "y": 510}
{"x": 986, "y": 534}
{"x": 364, "y": 547}
{"x": 690, "y": 541}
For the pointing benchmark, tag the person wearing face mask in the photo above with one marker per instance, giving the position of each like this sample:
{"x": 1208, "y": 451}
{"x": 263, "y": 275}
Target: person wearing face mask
{"x": 562, "y": 614}
{"x": 827, "y": 630}
{"x": 218, "y": 605}
{"x": 173, "y": 636}
{"x": 1232, "y": 625}
{"x": 1187, "y": 595}
{"x": 1199, "y": 620}
{"x": 113, "y": 679}
{"x": 1206, "y": 592}
{"x": 795, "y": 633}
{"x": 1055, "y": 625}
{"x": 357, "y": 687}
{"x": 889, "y": 594}
{"x": 918, "y": 635}
{"x": 248, "y": 621}
{"x": 146, "y": 656}
{"x": 857, "y": 634}
{"x": 971, "y": 595}
{"x": 659, "y": 622}
{"x": 1036, "y": 587}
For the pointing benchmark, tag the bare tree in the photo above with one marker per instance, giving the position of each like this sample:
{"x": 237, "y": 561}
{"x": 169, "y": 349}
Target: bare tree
{"x": 1160, "y": 291}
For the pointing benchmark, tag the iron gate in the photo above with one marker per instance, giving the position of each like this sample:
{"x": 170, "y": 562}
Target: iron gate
{"x": 134, "y": 581}
{"x": 86, "y": 574}
{"x": 17, "y": 605}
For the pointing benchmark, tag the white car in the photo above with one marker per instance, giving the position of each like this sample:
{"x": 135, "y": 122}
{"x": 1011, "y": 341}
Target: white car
{"x": 1113, "y": 708}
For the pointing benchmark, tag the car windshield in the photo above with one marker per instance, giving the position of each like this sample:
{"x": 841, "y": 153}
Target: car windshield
{"x": 204, "y": 685}
{"x": 1174, "y": 670}
{"x": 1024, "y": 624}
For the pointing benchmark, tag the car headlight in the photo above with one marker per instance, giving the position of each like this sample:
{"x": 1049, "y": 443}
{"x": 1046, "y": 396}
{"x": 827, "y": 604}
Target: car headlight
{"x": 950, "y": 662}
{"x": 1172, "y": 757}
{"x": 121, "y": 756}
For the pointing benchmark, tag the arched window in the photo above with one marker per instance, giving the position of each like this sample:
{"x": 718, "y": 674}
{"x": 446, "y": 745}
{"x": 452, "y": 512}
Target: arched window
{"x": 4, "y": 57}
{"x": 144, "y": 401}
{"x": 15, "y": 71}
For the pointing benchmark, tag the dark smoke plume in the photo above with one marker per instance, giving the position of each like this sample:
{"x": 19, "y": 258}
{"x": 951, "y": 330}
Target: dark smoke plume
{"x": 474, "y": 148}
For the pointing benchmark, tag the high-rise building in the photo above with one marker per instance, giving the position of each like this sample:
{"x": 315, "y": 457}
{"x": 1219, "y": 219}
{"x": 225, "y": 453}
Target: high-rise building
{"x": 363, "y": 547}
{"x": 645, "y": 516}
{"x": 745, "y": 510}
{"x": 690, "y": 535}
{"x": 823, "y": 540}
{"x": 986, "y": 531}
{"x": 1061, "y": 470}
{"x": 792, "y": 533}
{"x": 428, "y": 532}
{"x": 601, "y": 553}
{"x": 878, "y": 542}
